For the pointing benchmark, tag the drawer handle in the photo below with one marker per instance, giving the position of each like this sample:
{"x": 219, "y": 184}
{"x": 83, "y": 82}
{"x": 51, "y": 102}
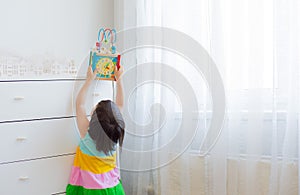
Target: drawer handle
{"x": 96, "y": 94}
{"x": 23, "y": 178}
{"x": 21, "y": 139}
{"x": 19, "y": 98}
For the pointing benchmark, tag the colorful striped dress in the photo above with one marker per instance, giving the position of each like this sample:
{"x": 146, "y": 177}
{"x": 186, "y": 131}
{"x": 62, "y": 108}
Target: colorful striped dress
{"x": 93, "y": 172}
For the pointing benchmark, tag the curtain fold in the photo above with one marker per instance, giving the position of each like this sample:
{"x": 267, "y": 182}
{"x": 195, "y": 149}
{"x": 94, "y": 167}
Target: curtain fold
{"x": 255, "y": 46}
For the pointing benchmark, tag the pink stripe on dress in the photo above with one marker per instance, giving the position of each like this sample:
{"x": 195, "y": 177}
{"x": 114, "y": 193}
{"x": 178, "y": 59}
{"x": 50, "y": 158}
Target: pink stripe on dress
{"x": 90, "y": 180}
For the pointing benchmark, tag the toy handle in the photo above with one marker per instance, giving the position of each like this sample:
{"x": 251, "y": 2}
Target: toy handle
{"x": 113, "y": 36}
{"x": 107, "y": 34}
{"x": 118, "y": 61}
{"x": 101, "y": 34}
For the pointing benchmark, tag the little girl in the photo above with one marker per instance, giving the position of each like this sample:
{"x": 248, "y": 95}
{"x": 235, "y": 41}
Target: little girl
{"x": 94, "y": 171}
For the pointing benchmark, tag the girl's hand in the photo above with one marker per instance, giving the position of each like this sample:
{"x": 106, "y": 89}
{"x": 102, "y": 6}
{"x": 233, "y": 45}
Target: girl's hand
{"x": 118, "y": 73}
{"x": 90, "y": 75}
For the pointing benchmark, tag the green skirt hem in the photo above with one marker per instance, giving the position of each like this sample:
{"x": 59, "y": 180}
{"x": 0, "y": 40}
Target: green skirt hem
{"x": 79, "y": 190}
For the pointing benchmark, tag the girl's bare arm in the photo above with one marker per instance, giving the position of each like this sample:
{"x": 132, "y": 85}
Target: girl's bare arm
{"x": 119, "y": 95}
{"x": 82, "y": 120}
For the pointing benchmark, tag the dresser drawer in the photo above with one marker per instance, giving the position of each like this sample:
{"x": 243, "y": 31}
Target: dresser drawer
{"x": 38, "y": 177}
{"x": 46, "y": 99}
{"x": 37, "y": 99}
{"x": 35, "y": 139}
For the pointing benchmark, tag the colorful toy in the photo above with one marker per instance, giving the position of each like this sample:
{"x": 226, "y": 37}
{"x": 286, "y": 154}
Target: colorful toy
{"x": 104, "y": 57}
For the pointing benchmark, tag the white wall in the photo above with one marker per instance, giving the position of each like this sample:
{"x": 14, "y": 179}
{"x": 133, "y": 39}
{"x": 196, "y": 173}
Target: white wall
{"x": 61, "y": 28}
{"x": 34, "y": 29}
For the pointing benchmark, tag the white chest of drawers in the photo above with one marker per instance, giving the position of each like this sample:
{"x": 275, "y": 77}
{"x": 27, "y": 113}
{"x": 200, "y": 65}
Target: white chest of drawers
{"x": 39, "y": 133}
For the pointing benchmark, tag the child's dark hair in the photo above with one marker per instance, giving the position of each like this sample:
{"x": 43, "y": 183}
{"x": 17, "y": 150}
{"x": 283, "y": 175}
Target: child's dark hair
{"x": 107, "y": 126}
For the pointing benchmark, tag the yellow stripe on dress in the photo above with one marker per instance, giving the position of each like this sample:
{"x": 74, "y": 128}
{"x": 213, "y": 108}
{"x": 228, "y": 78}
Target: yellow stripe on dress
{"x": 94, "y": 164}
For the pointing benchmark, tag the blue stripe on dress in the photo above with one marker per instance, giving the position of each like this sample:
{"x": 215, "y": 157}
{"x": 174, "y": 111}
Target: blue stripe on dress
{"x": 88, "y": 146}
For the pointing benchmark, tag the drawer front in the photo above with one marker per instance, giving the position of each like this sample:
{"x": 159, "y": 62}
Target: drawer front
{"x": 45, "y": 176}
{"x": 35, "y": 139}
{"x": 27, "y": 100}
{"x": 46, "y": 99}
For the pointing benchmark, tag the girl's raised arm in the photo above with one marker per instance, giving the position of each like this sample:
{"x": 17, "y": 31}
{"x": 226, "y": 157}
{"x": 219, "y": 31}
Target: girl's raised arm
{"x": 119, "y": 95}
{"x": 82, "y": 120}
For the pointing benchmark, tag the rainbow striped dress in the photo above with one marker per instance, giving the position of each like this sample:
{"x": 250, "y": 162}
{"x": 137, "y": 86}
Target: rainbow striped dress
{"x": 93, "y": 172}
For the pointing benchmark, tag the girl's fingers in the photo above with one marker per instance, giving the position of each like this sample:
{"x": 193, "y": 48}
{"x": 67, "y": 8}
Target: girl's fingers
{"x": 90, "y": 69}
{"x": 90, "y": 73}
{"x": 95, "y": 71}
{"x": 119, "y": 72}
{"x": 120, "y": 68}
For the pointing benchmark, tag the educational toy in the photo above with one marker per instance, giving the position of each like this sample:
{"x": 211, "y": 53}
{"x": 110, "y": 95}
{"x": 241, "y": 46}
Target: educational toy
{"x": 104, "y": 56}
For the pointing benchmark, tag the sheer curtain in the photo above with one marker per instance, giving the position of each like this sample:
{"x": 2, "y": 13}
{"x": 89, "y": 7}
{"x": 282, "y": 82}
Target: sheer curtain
{"x": 255, "y": 46}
